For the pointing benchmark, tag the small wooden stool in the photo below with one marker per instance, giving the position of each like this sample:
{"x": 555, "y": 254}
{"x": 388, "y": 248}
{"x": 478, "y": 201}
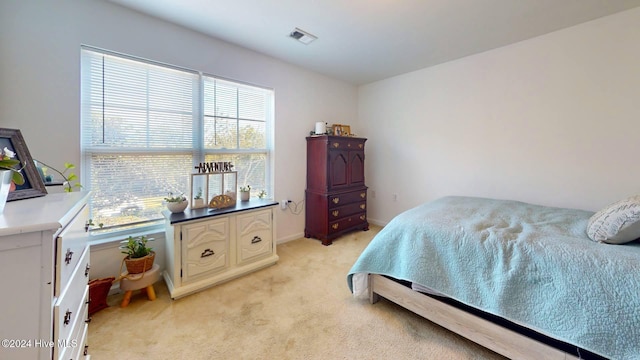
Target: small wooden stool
{"x": 142, "y": 282}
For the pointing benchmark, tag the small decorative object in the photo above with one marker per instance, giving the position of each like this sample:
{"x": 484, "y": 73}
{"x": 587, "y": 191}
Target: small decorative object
{"x": 337, "y": 129}
{"x": 221, "y": 201}
{"x": 26, "y": 179}
{"x": 216, "y": 178}
{"x": 198, "y": 201}
{"x": 245, "y": 193}
{"x": 262, "y": 194}
{"x": 139, "y": 257}
{"x": 176, "y": 204}
{"x": 321, "y": 128}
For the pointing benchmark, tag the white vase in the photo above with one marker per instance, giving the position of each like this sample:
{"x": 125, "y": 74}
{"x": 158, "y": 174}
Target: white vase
{"x": 177, "y": 207}
{"x": 5, "y": 184}
{"x": 244, "y": 195}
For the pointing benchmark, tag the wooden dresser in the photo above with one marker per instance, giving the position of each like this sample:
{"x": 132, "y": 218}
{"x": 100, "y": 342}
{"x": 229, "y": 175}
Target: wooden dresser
{"x": 336, "y": 195}
{"x": 207, "y": 247}
{"x": 44, "y": 259}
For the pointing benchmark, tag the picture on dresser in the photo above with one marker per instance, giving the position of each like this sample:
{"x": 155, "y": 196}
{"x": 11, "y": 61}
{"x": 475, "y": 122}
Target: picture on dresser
{"x": 33, "y": 186}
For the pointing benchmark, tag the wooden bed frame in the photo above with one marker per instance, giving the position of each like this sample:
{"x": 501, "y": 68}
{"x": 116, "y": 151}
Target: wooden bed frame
{"x": 492, "y": 336}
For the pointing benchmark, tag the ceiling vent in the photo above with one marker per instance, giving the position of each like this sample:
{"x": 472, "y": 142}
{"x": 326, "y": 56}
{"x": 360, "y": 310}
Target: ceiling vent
{"x": 302, "y": 36}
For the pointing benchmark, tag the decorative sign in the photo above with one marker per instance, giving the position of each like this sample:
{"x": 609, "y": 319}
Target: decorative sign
{"x": 219, "y": 166}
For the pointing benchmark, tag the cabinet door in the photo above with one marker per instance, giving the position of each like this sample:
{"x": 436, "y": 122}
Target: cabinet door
{"x": 205, "y": 247}
{"x": 338, "y": 169}
{"x": 255, "y": 235}
{"x": 356, "y": 168}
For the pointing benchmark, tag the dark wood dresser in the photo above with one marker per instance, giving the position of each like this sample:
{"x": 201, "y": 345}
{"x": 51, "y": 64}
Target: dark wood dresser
{"x": 336, "y": 195}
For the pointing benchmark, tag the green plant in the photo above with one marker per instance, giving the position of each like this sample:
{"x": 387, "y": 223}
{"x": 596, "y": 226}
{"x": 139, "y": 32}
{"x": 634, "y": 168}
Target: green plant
{"x": 177, "y": 198}
{"x": 7, "y": 163}
{"x": 68, "y": 177}
{"x": 245, "y": 188}
{"x": 262, "y": 194}
{"x": 136, "y": 247}
{"x": 199, "y": 194}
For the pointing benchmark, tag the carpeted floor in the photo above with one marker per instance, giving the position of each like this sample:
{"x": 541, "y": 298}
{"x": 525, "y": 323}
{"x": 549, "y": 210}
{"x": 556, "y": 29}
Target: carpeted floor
{"x": 300, "y": 308}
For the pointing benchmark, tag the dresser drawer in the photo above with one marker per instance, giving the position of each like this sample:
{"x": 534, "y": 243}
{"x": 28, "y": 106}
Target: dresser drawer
{"x": 347, "y": 223}
{"x": 70, "y": 313}
{"x": 345, "y": 198}
{"x": 205, "y": 247}
{"x": 346, "y": 143}
{"x": 255, "y": 235}
{"x": 342, "y": 211}
{"x": 74, "y": 348}
{"x": 69, "y": 247}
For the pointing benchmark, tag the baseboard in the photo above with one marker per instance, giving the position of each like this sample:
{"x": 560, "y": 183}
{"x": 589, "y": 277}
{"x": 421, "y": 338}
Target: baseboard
{"x": 377, "y": 222}
{"x": 289, "y": 238}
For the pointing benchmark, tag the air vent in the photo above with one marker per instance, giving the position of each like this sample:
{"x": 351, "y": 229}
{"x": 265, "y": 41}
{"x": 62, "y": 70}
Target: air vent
{"x": 302, "y": 36}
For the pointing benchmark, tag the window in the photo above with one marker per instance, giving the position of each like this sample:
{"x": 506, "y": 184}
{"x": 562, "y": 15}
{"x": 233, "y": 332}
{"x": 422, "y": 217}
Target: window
{"x": 145, "y": 126}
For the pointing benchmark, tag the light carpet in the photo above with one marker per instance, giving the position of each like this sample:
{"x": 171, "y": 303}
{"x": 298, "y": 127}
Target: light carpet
{"x": 300, "y": 308}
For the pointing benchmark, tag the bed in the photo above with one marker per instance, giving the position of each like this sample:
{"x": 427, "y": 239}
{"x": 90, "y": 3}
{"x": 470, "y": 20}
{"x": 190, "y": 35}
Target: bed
{"x": 527, "y": 281}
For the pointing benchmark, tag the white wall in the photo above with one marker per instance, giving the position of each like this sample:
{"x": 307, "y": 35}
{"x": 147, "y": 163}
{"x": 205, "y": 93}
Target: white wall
{"x": 40, "y": 68}
{"x": 40, "y": 87}
{"x": 552, "y": 120}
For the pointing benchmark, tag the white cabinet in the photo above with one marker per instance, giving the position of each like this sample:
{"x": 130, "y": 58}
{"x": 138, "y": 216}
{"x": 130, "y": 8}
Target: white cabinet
{"x": 44, "y": 259}
{"x": 206, "y": 247}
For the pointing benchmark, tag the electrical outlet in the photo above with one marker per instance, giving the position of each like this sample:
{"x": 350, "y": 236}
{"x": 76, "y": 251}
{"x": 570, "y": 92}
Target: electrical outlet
{"x": 283, "y": 204}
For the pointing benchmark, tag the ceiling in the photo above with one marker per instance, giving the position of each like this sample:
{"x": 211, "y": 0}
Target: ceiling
{"x": 362, "y": 41}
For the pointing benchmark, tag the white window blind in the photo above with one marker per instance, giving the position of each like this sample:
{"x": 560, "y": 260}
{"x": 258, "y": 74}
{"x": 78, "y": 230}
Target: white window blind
{"x": 146, "y": 125}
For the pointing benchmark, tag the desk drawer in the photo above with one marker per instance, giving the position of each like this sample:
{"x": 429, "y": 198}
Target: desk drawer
{"x": 69, "y": 247}
{"x": 205, "y": 247}
{"x": 345, "y": 198}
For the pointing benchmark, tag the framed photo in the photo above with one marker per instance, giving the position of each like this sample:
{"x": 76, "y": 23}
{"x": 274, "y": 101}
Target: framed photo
{"x": 33, "y": 185}
{"x": 337, "y": 129}
{"x": 346, "y": 130}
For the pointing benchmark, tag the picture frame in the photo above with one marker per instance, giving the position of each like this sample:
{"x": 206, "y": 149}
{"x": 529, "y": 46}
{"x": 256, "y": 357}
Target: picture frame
{"x": 346, "y": 130}
{"x": 337, "y": 129}
{"x": 33, "y": 185}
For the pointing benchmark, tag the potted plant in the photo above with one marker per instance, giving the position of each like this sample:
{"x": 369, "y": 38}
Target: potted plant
{"x": 176, "y": 204}
{"x": 139, "y": 257}
{"x": 9, "y": 176}
{"x": 245, "y": 193}
{"x": 198, "y": 201}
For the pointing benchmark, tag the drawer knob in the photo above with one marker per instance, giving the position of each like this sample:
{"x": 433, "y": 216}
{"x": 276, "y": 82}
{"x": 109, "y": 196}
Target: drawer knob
{"x": 206, "y": 252}
{"x": 362, "y": 217}
{"x": 88, "y": 320}
{"x": 363, "y": 195}
{"x": 86, "y": 270}
{"x": 360, "y": 146}
{"x": 362, "y": 206}
{"x": 86, "y": 350}
{"x": 335, "y": 213}
{"x": 336, "y": 200}
{"x": 336, "y": 145}
{"x": 256, "y": 239}
{"x": 68, "y": 256}
{"x": 335, "y": 226}
{"x": 67, "y": 317}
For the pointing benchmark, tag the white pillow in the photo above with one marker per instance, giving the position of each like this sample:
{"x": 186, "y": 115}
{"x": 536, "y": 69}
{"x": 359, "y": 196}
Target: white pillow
{"x": 617, "y": 223}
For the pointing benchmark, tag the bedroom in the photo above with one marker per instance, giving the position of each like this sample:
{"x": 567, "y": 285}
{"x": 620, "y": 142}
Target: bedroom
{"x": 549, "y": 120}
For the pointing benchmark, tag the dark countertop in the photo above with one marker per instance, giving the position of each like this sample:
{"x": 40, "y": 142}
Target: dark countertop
{"x": 195, "y": 214}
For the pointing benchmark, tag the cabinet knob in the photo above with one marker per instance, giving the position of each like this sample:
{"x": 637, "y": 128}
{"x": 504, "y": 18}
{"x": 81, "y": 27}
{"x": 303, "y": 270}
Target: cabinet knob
{"x": 363, "y": 195}
{"x": 335, "y": 226}
{"x": 67, "y": 317}
{"x": 362, "y": 217}
{"x": 335, "y": 213}
{"x": 256, "y": 239}
{"x": 68, "y": 256}
{"x": 336, "y": 145}
{"x": 86, "y": 350}
{"x": 362, "y": 206}
{"x": 360, "y": 146}
{"x": 335, "y": 200}
{"x": 207, "y": 252}
{"x": 86, "y": 270}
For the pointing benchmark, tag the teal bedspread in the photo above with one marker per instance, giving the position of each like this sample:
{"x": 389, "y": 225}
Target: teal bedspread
{"x": 530, "y": 264}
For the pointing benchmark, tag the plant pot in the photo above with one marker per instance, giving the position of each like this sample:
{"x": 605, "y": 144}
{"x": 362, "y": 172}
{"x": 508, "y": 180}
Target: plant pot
{"x": 198, "y": 203}
{"x": 140, "y": 265}
{"x": 5, "y": 185}
{"x": 177, "y": 207}
{"x": 244, "y": 195}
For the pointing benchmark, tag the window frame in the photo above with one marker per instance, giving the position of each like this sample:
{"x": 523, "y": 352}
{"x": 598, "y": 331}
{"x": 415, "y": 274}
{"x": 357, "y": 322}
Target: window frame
{"x": 198, "y": 151}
